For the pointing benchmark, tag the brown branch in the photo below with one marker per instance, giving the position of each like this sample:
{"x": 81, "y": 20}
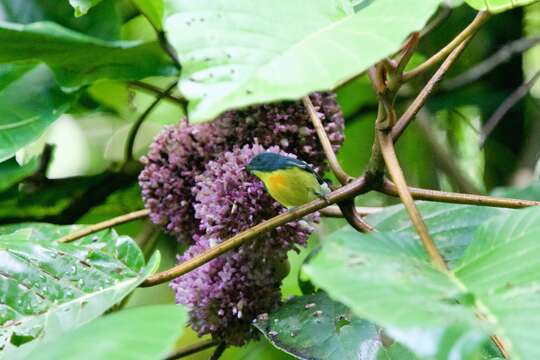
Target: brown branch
{"x": 467, "y": 33}
{"x": 421, "y": 99}
{"x": 489, "y": 64}
{"x": 507, "y": 104}
{"x": 335, "y": 212}
{"x": 389, "y": 188}
{"x": 350, "y": 190}
{"x": 392, "y": 164}
{"x": 105, "y": 225}
{"x": 134, "y": 129}
{"x": 338, "y": 171}
{"x": 158, "y": 91}
{"x": 192, "y": 349}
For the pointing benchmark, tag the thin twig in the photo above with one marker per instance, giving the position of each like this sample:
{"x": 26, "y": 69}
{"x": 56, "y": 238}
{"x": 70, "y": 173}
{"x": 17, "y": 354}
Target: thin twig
{"x": 335, "y": 212}
{"x": 350, "y": 190}
{"x": 441, "y": 16}
{"x": 468, "y": 32}
{"x": 389, "y": 188}
{"x": 444, "y": 159}
{"x": 105, "y": 225}
{"x": 507, "y": 104}
{"x": 158, "y": 91}
{"x": 338, "y": 171}
{"x": 502, "y": 55}
{"x": 128, "y": 155}
{"x": 421, "y": 99}
{"x": 392, "y": 164}
{"x": 192, "y": 349}
{"x": 219, "y": 351}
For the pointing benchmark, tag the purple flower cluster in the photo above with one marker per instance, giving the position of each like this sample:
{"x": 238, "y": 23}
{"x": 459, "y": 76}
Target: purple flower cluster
{"x": 180, "y": 152}
{"x": 226, "y": 294}
{"x": 194, "y": 183}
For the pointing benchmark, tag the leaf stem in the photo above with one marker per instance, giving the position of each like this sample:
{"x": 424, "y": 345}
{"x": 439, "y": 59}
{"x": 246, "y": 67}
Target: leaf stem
{"x": 218, "y": 351}
{"x": 130, "y": 142}
{"x": 392, "y": 164}
{"x": 422, "y": 97}
{"x": 338, "y": 171}
{"x": 158, "y": 91}
{"x": 192, "y": 349}
{"x": 467, "y": 33}
{"x": 390, "y": 188}
{"x": 352, "y": 189}
{"x": 105, "y": 225}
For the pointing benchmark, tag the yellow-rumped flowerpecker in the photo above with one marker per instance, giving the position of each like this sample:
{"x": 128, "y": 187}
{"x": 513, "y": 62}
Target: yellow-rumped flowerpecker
{"x": 291, "y": 182}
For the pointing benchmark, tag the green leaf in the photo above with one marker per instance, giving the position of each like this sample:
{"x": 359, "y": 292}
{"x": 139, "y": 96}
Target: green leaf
{"x": 11, "y": 173}
{"x": 497, "y": 6}
{"x": 144, "y": 333}
{"x": 30, "y": 101}
{"x": 244, "y": 52}
{"x": 49, "y": 43}
{"x": 497, "y": 277}
{"x": 153, "y": 10}
{"x": 49, "y": 288}
{"x": 452, "y": 226}
{"x": 82, "y": 6}
{"x": 315, "y": 327}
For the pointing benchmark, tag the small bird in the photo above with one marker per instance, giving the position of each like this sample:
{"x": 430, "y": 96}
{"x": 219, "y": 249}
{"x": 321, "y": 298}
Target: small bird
{"x": 290, "y": 181}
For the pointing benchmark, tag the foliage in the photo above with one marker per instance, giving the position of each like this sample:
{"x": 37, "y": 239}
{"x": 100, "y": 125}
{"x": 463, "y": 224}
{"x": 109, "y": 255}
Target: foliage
{"x": 88, "y": 87}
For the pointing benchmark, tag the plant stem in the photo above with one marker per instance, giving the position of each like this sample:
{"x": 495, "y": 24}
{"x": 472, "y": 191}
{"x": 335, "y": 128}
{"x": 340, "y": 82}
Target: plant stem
{"x": 489, "y": 64}
{"x": 421, "y": 99}
{"x": 158, "y": 91}
{"x": 335, "y": 212}
{"x": 128, "y": 155}
{"x": 392, "y": 164}
{"x": 468, "y": 32}
{"x": 105, "y": 225}
{"x": 507, "y": 104}
{"x": 219, "y": 351}
{"x": 441, "y": 16}
{"x": 338, "y": 171}
{"x": 350, "y": 190}
{"x": 192, "y": 349}
{"x": 389, "y": 188}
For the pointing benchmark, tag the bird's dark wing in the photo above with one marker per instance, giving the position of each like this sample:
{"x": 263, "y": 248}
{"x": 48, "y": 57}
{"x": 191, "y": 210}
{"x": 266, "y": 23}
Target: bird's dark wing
{"x": 291, "y": 162}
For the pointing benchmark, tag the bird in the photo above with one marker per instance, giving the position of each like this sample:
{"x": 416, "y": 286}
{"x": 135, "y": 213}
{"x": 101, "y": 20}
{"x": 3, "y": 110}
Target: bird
{"x": 289, "y": 181}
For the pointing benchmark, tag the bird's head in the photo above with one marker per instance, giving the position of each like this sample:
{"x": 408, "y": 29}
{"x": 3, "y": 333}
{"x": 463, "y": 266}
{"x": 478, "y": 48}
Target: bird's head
{"x": 265, "y": 162}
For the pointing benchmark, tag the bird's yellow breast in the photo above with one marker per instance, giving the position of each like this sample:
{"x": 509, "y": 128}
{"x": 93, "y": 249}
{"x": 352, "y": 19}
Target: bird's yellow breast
{"x": 290, "y": 187}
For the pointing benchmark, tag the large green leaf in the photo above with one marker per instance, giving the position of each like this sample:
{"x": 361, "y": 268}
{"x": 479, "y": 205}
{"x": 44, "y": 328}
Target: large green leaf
{"x": 497, "y": 277}
{"x": 30, "y": 101}
{"x": 451, "y": 226}
{"x": 144, "y": 333}
{"x": 315, "y": 327}
{"x": 11, "y": 172}
{"x": 497, "y": 6}
{"x": 77, "y": 59}
{"x": 48, "y": 288}
{"x": 242, "y": 52}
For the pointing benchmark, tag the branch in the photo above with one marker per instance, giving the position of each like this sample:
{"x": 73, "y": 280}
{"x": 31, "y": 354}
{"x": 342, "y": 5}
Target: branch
{"x": 443, "y": 157}
{"x": 507, "y": 104}
{"x": 421, "y": 99}
{"x": 104, "y": 225}
{"x": 389, "y": 188}
{"x": 489, "y": 64}
{"x": 137, "y": 124}
{"x": 392, "y": 164}
{"x": 338, "y": 171}
{"x": 218, "y": 351}
{"x": 466, "y": 34}
{"x": 158, "y": 91}
{"x": 192, "y": 349}
{"x": 335, "y": 212}
{"x": 350, "y": 190}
